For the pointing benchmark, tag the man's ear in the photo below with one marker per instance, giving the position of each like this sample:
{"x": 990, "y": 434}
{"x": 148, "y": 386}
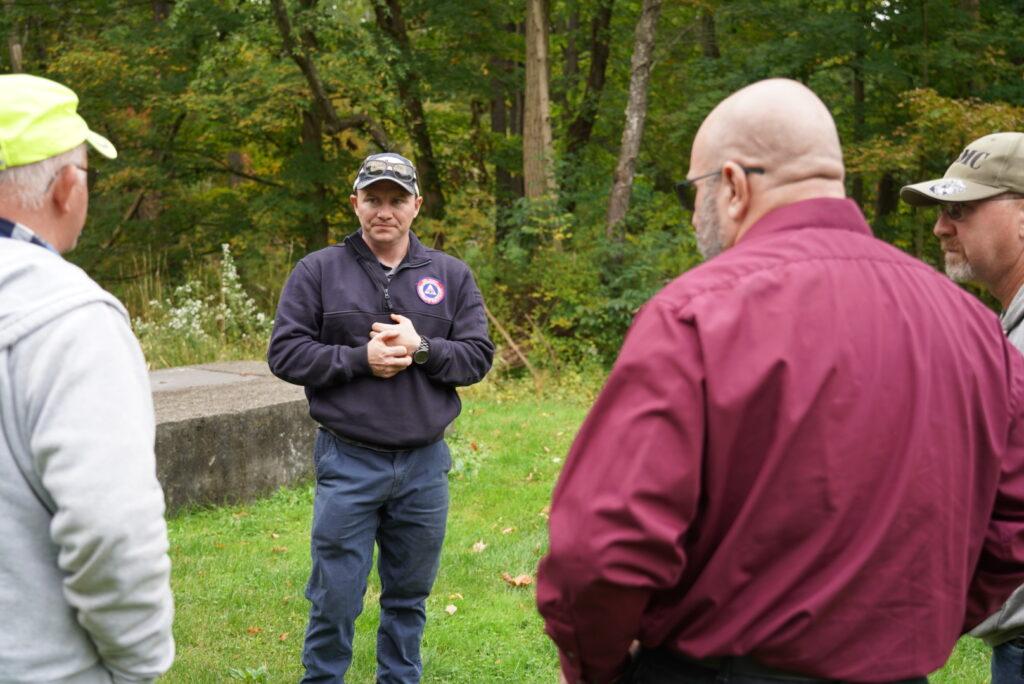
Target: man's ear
{"x": 353, "y": 200}
{"x": 419, "y": 203}
{"x": 739, "y": 190}
{"x": 67, "y": 182}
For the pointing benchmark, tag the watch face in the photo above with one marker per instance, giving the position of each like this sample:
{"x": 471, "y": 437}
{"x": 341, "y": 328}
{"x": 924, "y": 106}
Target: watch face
{"x": 420, "y": 356}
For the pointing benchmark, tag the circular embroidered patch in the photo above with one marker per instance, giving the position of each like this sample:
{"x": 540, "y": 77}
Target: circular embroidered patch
{"x": 430, "y": 290}
{"x": 948, "y": 187}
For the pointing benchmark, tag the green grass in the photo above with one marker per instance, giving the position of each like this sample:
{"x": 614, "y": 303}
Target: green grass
{"x": 239, "y": 573}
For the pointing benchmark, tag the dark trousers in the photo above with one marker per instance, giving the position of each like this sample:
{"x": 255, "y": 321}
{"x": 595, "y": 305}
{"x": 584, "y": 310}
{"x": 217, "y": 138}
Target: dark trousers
{"x": 1008, "y": 663}
{"x": 400, "y": 501}
{"x": 663, "y": 667}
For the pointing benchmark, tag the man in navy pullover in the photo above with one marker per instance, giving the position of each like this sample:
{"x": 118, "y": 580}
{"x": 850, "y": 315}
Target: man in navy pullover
{"x": 380, "y": 330}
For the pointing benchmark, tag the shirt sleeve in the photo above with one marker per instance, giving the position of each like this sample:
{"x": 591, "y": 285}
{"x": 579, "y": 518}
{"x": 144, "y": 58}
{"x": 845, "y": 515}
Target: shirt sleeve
{"x": 84, "y": 389}
{"x": 296, "y": 354}
{"x": 1000, "y": 568}
{"x": 465, "y": 356}
{"x": 626, "y": 498}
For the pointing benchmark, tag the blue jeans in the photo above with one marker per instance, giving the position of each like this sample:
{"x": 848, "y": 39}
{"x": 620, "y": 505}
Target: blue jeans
{"x": 400, "y": 500}
{"x": 1007, "y": 664}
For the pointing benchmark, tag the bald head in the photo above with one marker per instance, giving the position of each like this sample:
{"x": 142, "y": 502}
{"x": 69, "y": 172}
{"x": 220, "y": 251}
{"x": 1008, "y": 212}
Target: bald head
{"x": 779, "y": 125}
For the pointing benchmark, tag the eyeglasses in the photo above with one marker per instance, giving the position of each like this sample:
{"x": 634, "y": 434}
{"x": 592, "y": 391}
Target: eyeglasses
{"x": 377, "y": 167}
{"x": 77, "y": 166}
{"x": 686, "y": 190}
{"x": 958, "y": 211}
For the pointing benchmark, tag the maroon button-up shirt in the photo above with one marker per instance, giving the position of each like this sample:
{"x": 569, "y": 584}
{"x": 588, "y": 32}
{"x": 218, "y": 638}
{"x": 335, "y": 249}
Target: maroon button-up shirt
{"x": 810, "y": 452}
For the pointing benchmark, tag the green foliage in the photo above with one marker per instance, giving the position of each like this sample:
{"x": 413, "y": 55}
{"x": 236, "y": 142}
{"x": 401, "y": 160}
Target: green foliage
{"x": 222, "y": 140}
{"x": 200, "y": 322}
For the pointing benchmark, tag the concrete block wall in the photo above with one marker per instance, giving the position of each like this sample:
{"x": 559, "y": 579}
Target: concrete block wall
{"x": 228, "y": 433}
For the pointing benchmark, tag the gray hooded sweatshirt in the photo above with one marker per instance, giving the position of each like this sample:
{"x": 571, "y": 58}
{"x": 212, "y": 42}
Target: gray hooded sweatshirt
{"x": 84, "y": 572}
{"x": 1008, "y": 622}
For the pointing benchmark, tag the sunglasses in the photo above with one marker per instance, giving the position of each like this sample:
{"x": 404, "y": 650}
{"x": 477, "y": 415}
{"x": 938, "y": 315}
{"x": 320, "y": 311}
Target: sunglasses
{"x": 958, "y": 211}
{"x": 378, "y": 167}
{"x": 686, "y": 190}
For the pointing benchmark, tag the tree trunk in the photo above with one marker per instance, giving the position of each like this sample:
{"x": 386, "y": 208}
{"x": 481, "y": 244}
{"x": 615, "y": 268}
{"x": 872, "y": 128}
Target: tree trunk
{"x": 582, "y": 125}
{"x": 708, "y": 35}
{"x": 636, "y": 113}
{"x": 571, "y": 61}
{"x": 887, "y": 194}
{"x": 860, "y": 50}
{"x": 14, "y": 47}
{"x": 161, "y": 10}
{"x": 390, "y": 22}
{"x": 538, "y": 158}
{"x": 318, "y": 231}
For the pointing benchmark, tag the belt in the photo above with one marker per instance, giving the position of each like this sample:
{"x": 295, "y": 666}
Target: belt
{"x": 363, "y": 445}
{"x": 665, "y": 661}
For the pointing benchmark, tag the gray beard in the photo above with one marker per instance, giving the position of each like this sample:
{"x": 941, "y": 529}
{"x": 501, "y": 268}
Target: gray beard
{"x": 709, "y": 237}
{"x": 959, "y": 270}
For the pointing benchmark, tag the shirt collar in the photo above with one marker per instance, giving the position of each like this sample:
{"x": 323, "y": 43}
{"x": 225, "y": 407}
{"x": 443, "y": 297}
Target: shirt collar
{"x": 822, "y": 212}
{"x": 21, "y": 232}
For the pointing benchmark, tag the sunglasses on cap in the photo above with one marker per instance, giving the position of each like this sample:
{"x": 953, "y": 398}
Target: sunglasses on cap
{"x": 378, "y": 167}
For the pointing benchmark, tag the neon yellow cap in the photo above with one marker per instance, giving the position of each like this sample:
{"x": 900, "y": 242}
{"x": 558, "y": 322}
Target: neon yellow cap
{"x": 39, "y": 120}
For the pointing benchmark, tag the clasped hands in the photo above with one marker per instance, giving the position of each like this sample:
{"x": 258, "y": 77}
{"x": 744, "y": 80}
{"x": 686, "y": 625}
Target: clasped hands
{"x": 391, "y": 346}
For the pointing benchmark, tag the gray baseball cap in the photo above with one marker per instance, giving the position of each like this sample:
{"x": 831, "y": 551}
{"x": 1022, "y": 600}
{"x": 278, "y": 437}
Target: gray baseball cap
{"x": 387, "y": 166}
{"x": 987, "y": 167}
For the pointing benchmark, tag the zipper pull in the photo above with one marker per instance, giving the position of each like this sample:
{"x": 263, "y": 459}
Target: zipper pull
{"x": 387, "y": 299}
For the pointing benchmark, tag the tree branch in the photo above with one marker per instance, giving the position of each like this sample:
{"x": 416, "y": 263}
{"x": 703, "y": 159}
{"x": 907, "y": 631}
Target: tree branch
{"x": 300, "y": 54}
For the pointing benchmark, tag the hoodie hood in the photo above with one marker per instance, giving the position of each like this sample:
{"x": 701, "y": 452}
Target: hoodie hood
{"x": 37, "y": 285}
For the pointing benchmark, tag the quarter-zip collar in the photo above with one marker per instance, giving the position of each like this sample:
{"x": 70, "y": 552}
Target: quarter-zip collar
{"x": 416, "y": 256}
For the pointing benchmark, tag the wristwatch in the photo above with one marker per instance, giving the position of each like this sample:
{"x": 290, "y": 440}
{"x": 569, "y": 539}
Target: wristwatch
{"x": 422, "y": 353}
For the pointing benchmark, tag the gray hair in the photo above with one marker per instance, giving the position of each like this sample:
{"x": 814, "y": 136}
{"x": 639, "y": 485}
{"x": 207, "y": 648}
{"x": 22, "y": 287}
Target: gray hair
{"x": 28, "y": 185}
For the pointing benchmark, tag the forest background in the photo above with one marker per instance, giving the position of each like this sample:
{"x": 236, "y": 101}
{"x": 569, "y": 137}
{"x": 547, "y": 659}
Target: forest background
{"x": 548, "y": 135}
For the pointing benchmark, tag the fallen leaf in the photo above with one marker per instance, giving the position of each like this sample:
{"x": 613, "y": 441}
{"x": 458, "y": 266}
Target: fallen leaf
{"x": 279, "y": 549}
{"x": 529, "y": 478}
{"x": 556, "y": 460}
{"x": 450, "y": 609}
{"x": 473, "y": 446}
{"x": 547, "y": 450}
{"x": 508, "y": 530}
{"x": 274, "y": 535}
{"x": 479, "y": 546}
{"x": 283, "y": 637}
{"x": 523, "y": 580}
{"x": 218, "y": 545}
{"x": 456, "y": 596}
{"x": 254, "y": 630}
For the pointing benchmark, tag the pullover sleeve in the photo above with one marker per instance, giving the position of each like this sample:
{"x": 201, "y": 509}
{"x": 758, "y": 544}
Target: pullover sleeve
{"x": 465, "y": 356}
{"x": 1000, "y": 568}
{"x": 295, "y": 354}
{"x": 626, "y": 498}
{"x": 83, "y": 386}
